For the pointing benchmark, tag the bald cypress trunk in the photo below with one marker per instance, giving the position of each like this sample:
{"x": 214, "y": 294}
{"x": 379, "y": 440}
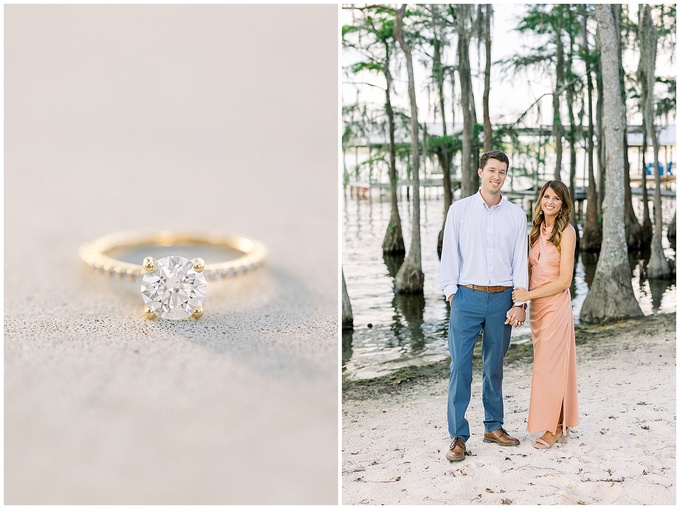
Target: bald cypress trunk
{"x": 592, "y": 232}
{"x": 410, "y": 277}
{"x": 633, "y": 227}
{"x": 488, "y": 133}
{"x": 444, "y": 155}
{"x": 468, "y": 169}
{"x": 601, "y": 142}
{"x": 658, "y": 267}
{"x": 347, "y": 316}
{"x": 572, "y": 128}
{"x": 393, "y": 242}
{"x": 646, "y": 221}
{"x": 611, "y": 293}
{"x": 671, "y": 231}
{"x": 558, "y": 130}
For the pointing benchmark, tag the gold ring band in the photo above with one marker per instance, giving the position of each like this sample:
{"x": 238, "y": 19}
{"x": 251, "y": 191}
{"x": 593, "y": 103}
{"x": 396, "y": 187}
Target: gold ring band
{"x": 95, "y": 254}
{"x": 172, "y": 287}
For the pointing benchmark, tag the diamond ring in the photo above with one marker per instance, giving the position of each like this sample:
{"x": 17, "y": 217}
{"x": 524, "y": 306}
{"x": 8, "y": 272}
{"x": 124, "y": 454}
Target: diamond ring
{"x": 173, "y": 287}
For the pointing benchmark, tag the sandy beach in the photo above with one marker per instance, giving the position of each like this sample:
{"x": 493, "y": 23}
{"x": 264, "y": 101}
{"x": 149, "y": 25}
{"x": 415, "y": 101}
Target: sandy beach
{"x": 623, "y": 452}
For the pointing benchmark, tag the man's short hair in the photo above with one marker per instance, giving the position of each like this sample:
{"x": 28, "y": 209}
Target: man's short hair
{"x": 493, "y": 154}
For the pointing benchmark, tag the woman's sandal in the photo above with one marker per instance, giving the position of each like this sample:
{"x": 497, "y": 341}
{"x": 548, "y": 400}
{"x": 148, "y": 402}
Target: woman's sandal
{"x": 539, "y": 443}
{"x": 565, "y": 435}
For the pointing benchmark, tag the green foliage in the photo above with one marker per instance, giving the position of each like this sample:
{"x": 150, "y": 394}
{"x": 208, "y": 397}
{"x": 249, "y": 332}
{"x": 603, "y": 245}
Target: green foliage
{"x": 552, "y": 21}
{"x": 457, "y": 138}
{"x": 539, "y": 20}
{"x": 383, "y": 28}
{"x": 347, "y": 133}
{"x": 540, "y": 57}
{"x": 366, "y": 66}
{"x": 440, "y": 145}
{"x": 527, "y": 156}
{"x": 349, "y": 29}
{"x": 667, "y": 103}
{"x": 477, "y": 131}
{"x": 666, "y": 24}
{"x": 592, "y": 58}
{"x": 371, "y": 162}
{"x": 378, "y": 26}
{"x": 372, "y": 36}
{"x": 403, "y": 150}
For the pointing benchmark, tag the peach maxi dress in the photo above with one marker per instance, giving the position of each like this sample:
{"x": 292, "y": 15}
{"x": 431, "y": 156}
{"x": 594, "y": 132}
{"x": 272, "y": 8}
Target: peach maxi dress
{"x": 553, "y": 379}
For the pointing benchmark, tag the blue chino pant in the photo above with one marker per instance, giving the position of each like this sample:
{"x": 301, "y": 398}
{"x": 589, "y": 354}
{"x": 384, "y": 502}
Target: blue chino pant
{"x": 472, "y": 311}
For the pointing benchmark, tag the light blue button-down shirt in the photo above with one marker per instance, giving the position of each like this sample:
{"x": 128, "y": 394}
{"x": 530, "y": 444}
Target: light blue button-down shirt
{"x": 484, "y": 245}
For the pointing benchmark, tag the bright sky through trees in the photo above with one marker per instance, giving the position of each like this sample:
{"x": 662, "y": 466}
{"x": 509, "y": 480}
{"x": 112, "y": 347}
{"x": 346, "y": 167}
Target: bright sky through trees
{"x": 512, "y": 92}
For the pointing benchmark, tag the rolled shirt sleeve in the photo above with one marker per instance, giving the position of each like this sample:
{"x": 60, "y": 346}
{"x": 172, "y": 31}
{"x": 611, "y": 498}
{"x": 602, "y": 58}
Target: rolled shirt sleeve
{"x": 449, "y": 268}
{"x": 520, "y": 257}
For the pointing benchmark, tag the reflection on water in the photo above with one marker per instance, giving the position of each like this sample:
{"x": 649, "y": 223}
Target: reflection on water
{"x": 391, "y": 330}
{"x": 393, "y": 262}
{"x": 589, "y": 261}
{"x": 408, "y": 321}
{"x": 347, "y": 345}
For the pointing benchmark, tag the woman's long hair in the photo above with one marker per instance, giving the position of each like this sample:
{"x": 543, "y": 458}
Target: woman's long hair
{"x": 563, "y": 216}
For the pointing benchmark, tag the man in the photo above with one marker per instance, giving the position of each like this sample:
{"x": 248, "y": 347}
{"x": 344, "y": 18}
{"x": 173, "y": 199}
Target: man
{"x": 484, "y": 255}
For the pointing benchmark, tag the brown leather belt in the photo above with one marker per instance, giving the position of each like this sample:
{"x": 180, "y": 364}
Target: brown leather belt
{"x": 488, "y": 289}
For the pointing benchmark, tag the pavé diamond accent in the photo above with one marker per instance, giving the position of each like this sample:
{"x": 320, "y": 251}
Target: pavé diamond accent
{"x": 173, "y": 290}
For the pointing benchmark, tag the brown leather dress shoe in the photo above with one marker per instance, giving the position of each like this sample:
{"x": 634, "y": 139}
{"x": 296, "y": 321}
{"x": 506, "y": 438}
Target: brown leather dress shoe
{"x": 456, "y": 450}
{"x": 500, "y": 436}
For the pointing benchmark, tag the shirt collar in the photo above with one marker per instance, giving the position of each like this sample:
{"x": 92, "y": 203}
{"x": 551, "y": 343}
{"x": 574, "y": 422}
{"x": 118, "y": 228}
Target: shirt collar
{"x": 481, "y": 200}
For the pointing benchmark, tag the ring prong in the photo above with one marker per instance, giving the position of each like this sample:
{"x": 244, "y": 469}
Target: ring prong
{"x": 149, "y": 314}
{"x": 199, "y": 264}
{"x": 197, "y": 313}
{"x": 149, "y": 264}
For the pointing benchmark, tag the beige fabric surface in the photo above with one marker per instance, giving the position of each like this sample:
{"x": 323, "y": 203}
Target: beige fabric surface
{"x": 213, "y": 117}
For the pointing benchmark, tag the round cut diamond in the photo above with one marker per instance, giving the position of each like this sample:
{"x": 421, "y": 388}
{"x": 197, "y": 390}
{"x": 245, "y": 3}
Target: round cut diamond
{"x": 173, "y": 289}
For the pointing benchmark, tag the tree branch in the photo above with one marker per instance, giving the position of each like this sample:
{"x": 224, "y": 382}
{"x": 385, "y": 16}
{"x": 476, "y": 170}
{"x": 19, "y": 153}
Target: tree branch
{"x": 373, "y": 6}
{"x": 558, "y": 92}
{"x": 363, "y": 83}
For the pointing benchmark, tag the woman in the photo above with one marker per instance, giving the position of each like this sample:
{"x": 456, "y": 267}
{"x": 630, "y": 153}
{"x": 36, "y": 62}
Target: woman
{"x": 553, "y": 407}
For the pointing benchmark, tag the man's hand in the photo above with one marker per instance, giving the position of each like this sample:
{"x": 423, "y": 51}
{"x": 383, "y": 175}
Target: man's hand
{"x": 515, "y": 316}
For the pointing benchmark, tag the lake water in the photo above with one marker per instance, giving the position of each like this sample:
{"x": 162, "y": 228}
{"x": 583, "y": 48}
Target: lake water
{"x": 392, "y": 331}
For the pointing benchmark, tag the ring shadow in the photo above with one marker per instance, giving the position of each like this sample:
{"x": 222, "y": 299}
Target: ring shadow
{"x": 269, "y": 321}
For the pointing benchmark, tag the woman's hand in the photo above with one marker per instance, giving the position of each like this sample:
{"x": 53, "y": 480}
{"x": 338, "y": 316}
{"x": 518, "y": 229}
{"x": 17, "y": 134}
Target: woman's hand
{"x": 515, "y": 316}
{"x": 520, "y": 295}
